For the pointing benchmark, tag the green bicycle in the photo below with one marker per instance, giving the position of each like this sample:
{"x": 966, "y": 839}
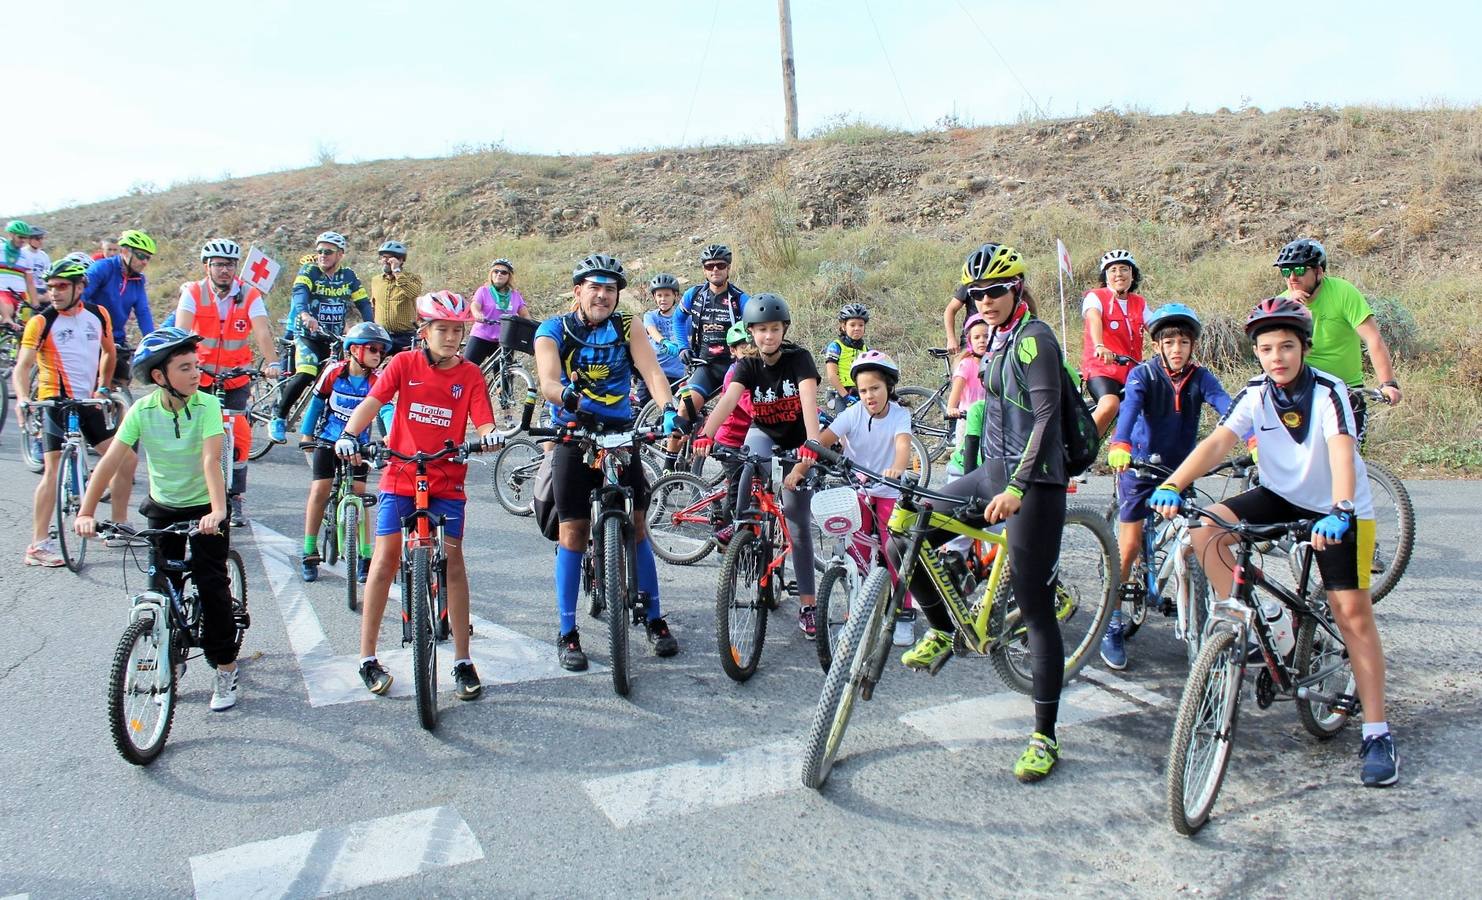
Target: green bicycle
{"x": 344, "y": 530}
{"x": 983, "y": 609}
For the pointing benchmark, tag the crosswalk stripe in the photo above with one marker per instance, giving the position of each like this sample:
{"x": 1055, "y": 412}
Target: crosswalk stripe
{"x": 1123, "y": 686}
{"x": 682, "y": 788}
{"x": 962, "y": 724}
{"x": 339, "y": 858}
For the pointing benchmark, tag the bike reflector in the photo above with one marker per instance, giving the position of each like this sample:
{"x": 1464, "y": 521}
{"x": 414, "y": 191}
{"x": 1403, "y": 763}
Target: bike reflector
{"x": 836, "y": 511}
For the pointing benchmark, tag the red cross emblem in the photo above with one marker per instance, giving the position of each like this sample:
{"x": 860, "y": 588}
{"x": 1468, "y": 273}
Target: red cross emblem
{"x": 260, "y": 270}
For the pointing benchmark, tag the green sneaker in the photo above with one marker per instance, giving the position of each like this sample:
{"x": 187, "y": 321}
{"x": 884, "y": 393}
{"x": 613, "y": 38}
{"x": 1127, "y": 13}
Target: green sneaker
{"x": 930, "y": 652}
{"x": 1037, "y": 759}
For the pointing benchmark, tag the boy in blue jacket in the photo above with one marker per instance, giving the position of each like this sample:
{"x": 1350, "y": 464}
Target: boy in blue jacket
{"x": 1160, "y": 415}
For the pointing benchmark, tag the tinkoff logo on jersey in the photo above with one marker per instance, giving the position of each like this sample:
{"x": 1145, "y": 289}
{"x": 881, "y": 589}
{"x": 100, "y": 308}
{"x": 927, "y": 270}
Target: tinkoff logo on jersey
{"x": 1291, "y": 419}
{"x": 427, "y": 414}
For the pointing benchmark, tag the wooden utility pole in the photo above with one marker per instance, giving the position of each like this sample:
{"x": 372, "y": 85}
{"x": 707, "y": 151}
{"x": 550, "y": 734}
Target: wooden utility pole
{"x": 789, "y": 71}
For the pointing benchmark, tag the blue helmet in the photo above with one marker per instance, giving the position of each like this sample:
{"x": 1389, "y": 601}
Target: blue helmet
{"x": 367, "y": 333}
{"x": 1174, "y": 314}
{"x": 157, "y": 348}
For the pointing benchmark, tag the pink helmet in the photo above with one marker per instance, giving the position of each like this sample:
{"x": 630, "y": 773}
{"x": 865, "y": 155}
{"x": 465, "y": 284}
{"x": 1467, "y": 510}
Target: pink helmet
{"x": 974, "y": 319}
{"x": 443, "y": 306}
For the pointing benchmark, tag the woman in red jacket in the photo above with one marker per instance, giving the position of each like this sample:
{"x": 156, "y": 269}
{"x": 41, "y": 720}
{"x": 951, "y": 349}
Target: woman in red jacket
{"x": 1114, "y": 322}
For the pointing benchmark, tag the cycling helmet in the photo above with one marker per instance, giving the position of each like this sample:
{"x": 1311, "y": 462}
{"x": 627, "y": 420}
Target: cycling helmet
{"x": 19, "y": 228}
{"x": 221, "y": 248}
{"x": 137, "y": 240}
{"x": 443, "y": 306}
{"x": 1174, "y": 314}
{"x": 875, "y": 361}
{"x": 737, "y": 334}
{"x": 1302, "y": 252}
{"x": 714, "y": 252}
{"x": 974, "y": 319}
{"x": 854, "y": 311}
{"x": 332, "y": 237}
{"x": 992, "y": 261}
{"x": 501, "y": 261}
{"x": 1111, "y": 257}
{"x": 67, "y": 268}
{"x": 37, "y": 231}
{"x": 308, "y": 259}
{"x": 156, "y": 349}
{"x": 81, "y": 257}
{"x": 766, "y": 308}
{"x": 1279, "y": 312}
{"x": 367, "y": 333}
{"x": 663, "y": 280}
{"x": 395, "y": 248}
{"x": 602, "y": 269}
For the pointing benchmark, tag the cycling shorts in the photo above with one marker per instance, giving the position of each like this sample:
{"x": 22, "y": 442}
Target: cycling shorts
{"x": 1133, "y": 494}
{"x": 392, "y": 508}
{"x": 573, "y": 482}
{"x": 323, "y": 462}
{"x": 1104, "y": 385}
{"x": 310, "y": 350}
{"x": 708, "y": 376}
{"x": 1339, "y": 564}
{"x": 91, "y": 421}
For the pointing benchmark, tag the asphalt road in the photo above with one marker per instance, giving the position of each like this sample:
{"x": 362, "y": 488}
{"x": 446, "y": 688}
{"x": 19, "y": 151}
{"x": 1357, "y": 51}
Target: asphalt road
{"x": 555, "y": 786}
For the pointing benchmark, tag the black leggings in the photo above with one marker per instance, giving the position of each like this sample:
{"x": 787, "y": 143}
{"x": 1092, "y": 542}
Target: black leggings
{"x": 1034, "y": 554}
{"x": 479, "y": 349}
{"x": 298, "y": 382}
{"x": 207, "y": 571}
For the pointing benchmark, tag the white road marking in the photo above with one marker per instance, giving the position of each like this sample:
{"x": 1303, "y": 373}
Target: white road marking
{"x": 963, "y": 724}
{"x": 1123, "y": 686}
{"x": 503, "y": 656}
{"x": 681, "y": 788}
{"x": 17, "y": 897}
{"x": 341, "y": 858}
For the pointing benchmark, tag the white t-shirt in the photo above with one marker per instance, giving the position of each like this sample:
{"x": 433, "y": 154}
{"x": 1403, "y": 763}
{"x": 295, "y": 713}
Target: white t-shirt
{"x": 1092, "y": 302}
{"x": 258, "y": 309}
{"x": 1300, "y": 473}
{"x": 870, "y": 441}
{"x": 39, "y": 262}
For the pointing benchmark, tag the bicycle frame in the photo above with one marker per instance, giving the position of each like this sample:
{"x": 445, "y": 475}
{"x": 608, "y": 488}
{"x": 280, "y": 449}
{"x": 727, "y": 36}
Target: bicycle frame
{"x": 762, "y": 514}
{"x": 915, "y": 524}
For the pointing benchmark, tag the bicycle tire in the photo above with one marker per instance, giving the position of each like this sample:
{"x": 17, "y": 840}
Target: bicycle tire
{"x": 741, "y": 623}
{"x": 1200, "y": 595}
{"x": 126, "y": 703}
{"x": 262, "y": 405}
{"x": 350, "y": 531}
{"x": 507, "y": 397}
{"x": 31, "y": 446}
{"x": 845, "y": 680}
{"x": 4, "y": 398}
{"x": 1383, "y": 482}
{"x": 71, "y": 482}
{"x": 424, "y": 640}
{"x": 929, "y": 419}
{"x": 920, "y": 461}
{"x": 1085, "y": 590}
{"x": 615, "y": 588}
{"x": 236, "y": 583}
{"x": 1315, "y": 649}
{"x": 329, "y": 535}
{"x": 1210, "y": 702}
{"x": 513, "y": 475}
{"x": 679, "y": 543}
{"x": 832, "y": 610}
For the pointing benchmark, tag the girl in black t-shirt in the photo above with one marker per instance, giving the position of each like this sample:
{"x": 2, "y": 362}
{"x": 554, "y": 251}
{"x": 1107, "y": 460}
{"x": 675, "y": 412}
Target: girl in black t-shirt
{"x": 782, "y": 380}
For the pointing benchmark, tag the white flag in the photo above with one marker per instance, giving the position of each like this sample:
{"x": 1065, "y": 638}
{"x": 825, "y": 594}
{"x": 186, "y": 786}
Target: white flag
{"x": 259, "y": 270}
{"x": 1064, "y": 258}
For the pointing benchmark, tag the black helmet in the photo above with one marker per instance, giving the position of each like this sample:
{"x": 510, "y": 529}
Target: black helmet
{"x": 157, "y": 348}
{"x": 715, "y": 251}
{"x": 1302, "y": 252}
{"x": 663, "y": 280}
{"x": 766, "y": 308}
{"x": 601, "y": 266}
{"x": 854, "y": 311}
{"x": 1279, "y": 312}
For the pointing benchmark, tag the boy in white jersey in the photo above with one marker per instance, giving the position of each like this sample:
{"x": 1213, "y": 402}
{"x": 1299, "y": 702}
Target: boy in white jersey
{"x": 1310, "y": 469}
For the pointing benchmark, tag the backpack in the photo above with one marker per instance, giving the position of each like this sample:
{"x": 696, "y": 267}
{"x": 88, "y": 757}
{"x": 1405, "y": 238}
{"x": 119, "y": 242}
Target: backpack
{"x": 1078, "y": 433}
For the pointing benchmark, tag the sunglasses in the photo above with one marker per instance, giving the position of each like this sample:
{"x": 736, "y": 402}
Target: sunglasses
{"x": 327, "y": 251}
{"x": 714, "y": 266}
{"x": 502, "y": 272}
{"x": 140, "y": 255}
{"x": 1289, "y": 271}
{"x": 992, "y": 291}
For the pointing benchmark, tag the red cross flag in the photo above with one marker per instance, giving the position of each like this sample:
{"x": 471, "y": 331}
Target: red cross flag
{"x": 259, "y": 270}
{"x": 1064, "y": 259}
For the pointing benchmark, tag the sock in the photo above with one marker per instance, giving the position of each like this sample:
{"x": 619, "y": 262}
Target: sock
{"x": 671, "y": 457}
{"x": 1045, "y": 713}
{"x": 311, "y": 543}
{"x": 648, "y": 577}
{"x": 1375, "y": 729}
{"x": 366, "y": 550}
{"x": 458, "y": 662}
{"x": 568, "y": 585}
{"x": 366, "y": 659}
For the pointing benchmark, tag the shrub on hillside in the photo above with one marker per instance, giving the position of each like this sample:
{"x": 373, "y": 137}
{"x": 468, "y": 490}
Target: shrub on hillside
{"x": 1398, "y": 326}
{"x": 769, "y": 228}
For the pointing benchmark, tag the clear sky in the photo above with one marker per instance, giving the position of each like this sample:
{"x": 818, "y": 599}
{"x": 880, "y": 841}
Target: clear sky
{"x": 171, "y": 91}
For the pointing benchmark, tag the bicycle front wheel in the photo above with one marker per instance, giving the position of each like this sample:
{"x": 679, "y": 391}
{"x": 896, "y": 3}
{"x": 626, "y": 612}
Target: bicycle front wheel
{"x": 1203, "y": 732}
{"x": 615, "y": 587}
{"x": 1317, "y": 652}
{"x": 507, "y": 396}
{"x": 929, "y": 420}
{"x": 847, "y": 677}
{"x": 424, "y": 639}
{"x": 1394, "y": 529}
{"x": 262, "y": 406}
{"x": 31, "y": 449}
{"x": 679, "y": 524}
{"x": 513, "y": 475}
{"x": 236, "y": 582}
{"x": 139, "y": 710}
{"x": 741, "y": 606}
{"x": 832, "y": 611}
{"x": 350, "y": 541}
{"x": 71, "y": 481}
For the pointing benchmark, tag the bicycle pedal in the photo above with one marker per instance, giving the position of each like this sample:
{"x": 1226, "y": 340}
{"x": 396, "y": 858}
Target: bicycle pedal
{"x": 1347, "y": 704}
{"x": 936, "y": 664}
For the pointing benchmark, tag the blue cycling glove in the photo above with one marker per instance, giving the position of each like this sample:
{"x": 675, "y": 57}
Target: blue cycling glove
{"x": 571, "y": 398}
{"x": 1333, "y": 525}
{"x": 1167, "y": 495}
{"x": 671, "y": 421}
{"x": 673, "y": 347}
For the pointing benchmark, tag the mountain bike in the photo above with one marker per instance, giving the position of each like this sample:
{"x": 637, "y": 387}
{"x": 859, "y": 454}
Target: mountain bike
{"x": 848, "y": 524}
{"x": 72, "y": 472}
{"x": 218, "y": 390}
{"x": 346, "y": 526}
{"x": 928, "y": 407}
{"x": 1318, "y": 676}
{"x": 10, "y": 340}
{"x": 989, "y": 625}
{"x": 424, "y": 571}
{"x": 512, "y": 475}
{"x": 266, "y": 394}
{"x": 506, "y": 380}
{"x": 163, "y": 629}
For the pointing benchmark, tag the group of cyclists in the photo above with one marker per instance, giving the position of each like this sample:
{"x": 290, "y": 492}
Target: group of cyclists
{"x": 713, "y": 347}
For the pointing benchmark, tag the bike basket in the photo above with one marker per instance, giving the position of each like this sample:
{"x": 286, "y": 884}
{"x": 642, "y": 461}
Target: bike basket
{"x": 836, "y": 511}
{"x": 516, "y": 333}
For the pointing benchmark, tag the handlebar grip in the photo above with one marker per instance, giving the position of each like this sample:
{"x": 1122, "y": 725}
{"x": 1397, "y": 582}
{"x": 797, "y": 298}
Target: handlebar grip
{"x": 529, "y": 412}
{"x": 826, "y": 454}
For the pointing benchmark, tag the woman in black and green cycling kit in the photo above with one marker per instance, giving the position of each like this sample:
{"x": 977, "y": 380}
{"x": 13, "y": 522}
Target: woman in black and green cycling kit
{"x": 1022, "y": 477}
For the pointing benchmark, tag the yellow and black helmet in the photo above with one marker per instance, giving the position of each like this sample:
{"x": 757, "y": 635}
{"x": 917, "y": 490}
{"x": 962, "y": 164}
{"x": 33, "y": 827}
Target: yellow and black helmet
{"x": 992, "y": 261}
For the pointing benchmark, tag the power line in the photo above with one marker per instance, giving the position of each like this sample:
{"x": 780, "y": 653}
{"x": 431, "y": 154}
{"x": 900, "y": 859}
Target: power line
{"x": 1012, "y": 73}
{"x": 886, "y": 53}
{"x": 700, "y": 73}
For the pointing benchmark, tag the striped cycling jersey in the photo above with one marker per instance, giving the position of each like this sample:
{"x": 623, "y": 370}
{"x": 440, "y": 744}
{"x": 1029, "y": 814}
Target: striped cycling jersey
{"x": 68, "y": 346}
{"x": 328, "y": 297}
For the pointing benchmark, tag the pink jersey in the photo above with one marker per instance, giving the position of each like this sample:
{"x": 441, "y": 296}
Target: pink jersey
{"x": 432, "y": 406}
{"x": 732, "y": 432}
{"x": 972, "y": 385}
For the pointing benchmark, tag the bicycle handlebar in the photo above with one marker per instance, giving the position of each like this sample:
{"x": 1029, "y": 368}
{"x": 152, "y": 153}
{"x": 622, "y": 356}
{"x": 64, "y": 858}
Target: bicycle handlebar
{"x": 146, "y": 535}
{"x": 381, "y": 454}
{"x": 962, "y": 507}
{"x": 67, "y": 401}
{"x": 1154, "y": 468}
{"x": 1248, "y": 530}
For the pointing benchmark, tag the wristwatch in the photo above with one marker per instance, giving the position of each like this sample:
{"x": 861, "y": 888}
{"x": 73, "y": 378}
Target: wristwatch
{"x": 1344, "y": 507}
{"x": 1391, "y": 383}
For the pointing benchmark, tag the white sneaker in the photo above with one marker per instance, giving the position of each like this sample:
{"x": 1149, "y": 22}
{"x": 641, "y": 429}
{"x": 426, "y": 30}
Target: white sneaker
{"x": 905, "y": 632}
{"x": 46, "y": 553}
{"x": 224, "y": 696}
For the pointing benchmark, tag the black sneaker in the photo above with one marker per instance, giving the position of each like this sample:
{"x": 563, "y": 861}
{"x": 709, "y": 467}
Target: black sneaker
{"x": 466, "y": 679}
{"x": 658, "y": 635}
{"x": 568, "y": 653}
{"x": 377, "y": 679}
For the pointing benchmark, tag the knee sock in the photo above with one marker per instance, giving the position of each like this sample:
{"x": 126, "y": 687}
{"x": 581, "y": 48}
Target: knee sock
{"x": 648, "y": 577}
{"x": 311, "y": 543}
{"x": 1045, "y": 713}
{"x": 568, "y": 585}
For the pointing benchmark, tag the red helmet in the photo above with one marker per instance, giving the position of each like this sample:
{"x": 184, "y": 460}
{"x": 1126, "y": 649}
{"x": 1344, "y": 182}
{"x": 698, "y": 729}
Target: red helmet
{"x": 1279, "y": 312}
{"x": 443, "y": 306}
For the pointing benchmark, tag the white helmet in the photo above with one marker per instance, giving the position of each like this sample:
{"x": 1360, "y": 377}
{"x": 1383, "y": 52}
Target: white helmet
{"x": 332, "y": 237}
{"x": 1117, "y": 256}
{"x": 221, "y": 248}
